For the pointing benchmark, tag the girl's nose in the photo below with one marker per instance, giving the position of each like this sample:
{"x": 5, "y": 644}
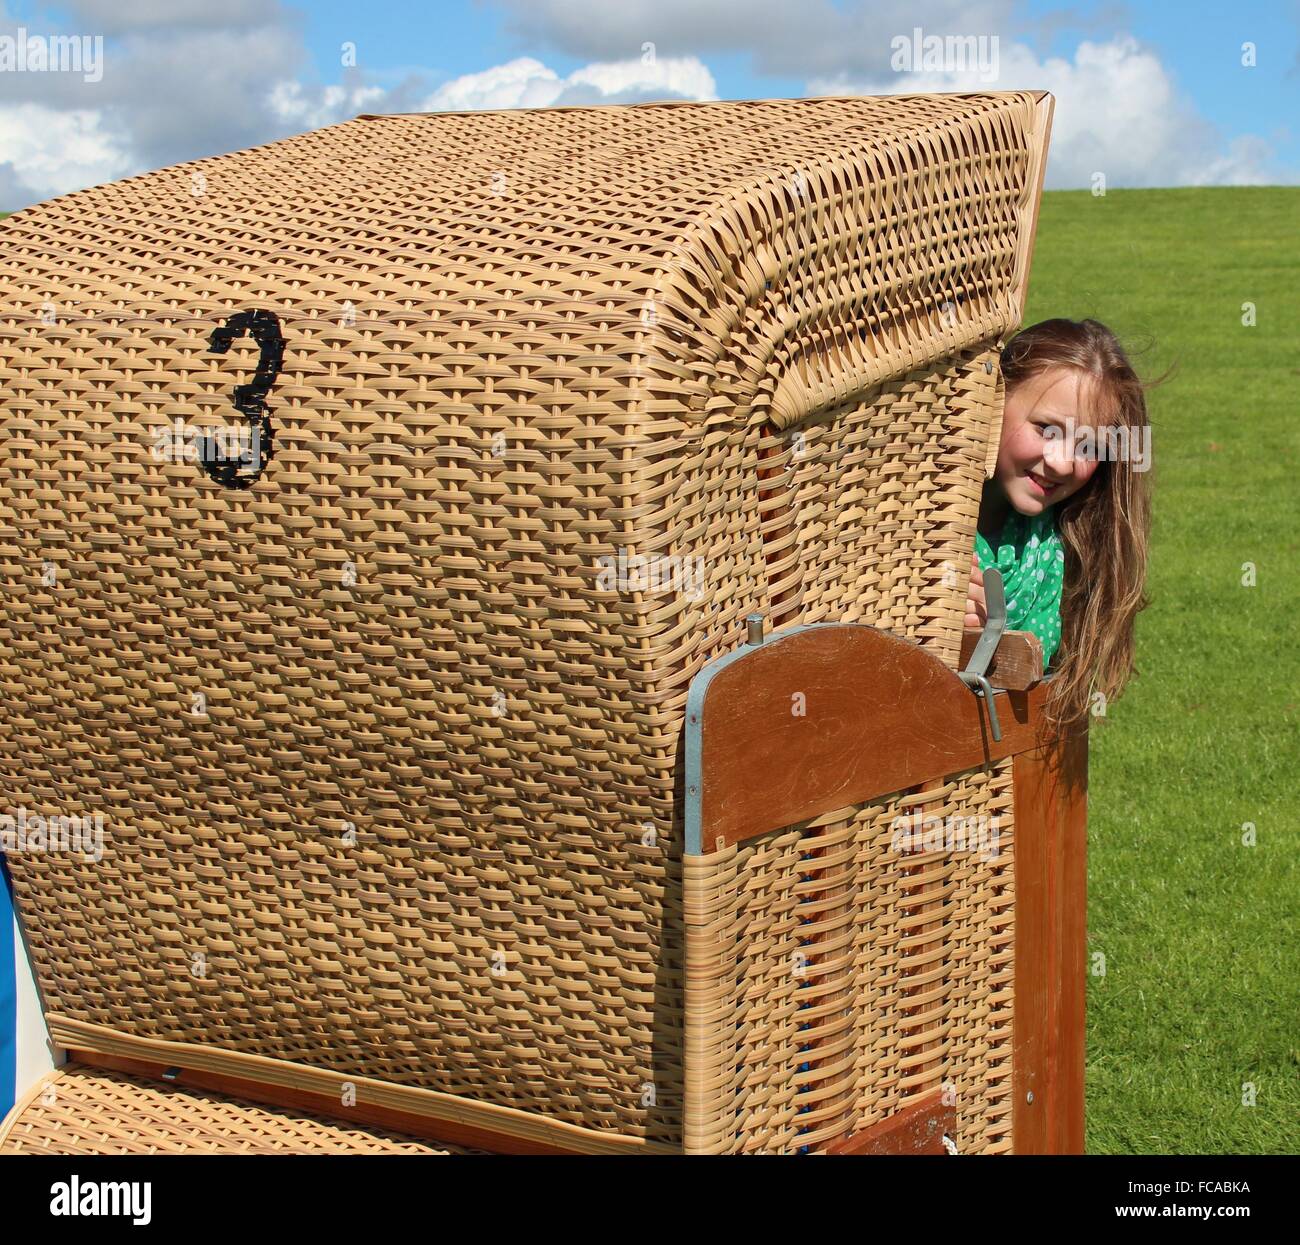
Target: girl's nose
{"x": 1060, "y": 470}
{"x": 1059, "y": 460}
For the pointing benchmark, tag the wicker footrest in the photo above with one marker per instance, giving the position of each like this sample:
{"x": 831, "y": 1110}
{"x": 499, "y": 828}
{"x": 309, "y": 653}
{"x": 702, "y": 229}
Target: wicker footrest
{"x": 82, "y": 1110}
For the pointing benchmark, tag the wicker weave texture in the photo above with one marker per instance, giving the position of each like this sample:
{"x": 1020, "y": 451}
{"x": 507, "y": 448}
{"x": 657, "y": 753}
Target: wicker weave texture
{"x": 835, "y": 971}
{"x": 79, "y": 1110}
{"x": 387, "y": 763}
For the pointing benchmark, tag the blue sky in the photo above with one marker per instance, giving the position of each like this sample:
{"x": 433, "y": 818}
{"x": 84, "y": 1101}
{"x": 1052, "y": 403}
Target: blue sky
{"x": 1200, "y": 43}
{"x": 1148, "y": 93}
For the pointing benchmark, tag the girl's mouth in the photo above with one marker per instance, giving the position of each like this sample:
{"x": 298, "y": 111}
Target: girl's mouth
{"x": 1045, "y": 487}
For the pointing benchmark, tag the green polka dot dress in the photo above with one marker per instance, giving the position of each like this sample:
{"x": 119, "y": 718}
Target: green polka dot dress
{"x": 1032, "y": 561}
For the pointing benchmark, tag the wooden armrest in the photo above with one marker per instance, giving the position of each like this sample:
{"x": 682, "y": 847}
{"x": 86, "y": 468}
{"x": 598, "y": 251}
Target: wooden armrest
{"x": 1018, "y": 663}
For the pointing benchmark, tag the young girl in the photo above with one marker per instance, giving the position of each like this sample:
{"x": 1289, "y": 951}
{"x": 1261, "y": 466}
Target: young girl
{"x": 1066, "y": 516}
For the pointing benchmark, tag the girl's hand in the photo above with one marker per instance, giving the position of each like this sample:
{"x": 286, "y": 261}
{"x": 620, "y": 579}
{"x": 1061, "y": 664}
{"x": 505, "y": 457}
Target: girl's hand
{"x": 977, "y": 613}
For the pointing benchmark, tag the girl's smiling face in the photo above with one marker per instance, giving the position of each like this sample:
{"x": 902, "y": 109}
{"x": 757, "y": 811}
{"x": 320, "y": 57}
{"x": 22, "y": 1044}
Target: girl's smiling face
{"x": 1039, "y": 463}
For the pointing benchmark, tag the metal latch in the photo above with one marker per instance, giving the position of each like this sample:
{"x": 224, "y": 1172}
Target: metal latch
{"x": 975, "y": 676}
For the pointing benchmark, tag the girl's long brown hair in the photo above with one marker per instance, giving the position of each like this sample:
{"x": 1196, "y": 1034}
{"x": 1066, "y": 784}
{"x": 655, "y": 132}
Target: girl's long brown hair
{"x": 1105, "y": 527}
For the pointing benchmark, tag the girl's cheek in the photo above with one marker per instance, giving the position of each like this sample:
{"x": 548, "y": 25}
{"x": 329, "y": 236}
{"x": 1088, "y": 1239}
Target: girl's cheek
{"x": 1084, "y": 469}
{"x": 1057, "y": 454}
{"x": 1026, "y": 447}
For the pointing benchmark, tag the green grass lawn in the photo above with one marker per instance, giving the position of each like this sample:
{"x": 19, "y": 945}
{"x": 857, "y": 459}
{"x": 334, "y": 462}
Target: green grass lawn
{"x": 1201, "y": 992}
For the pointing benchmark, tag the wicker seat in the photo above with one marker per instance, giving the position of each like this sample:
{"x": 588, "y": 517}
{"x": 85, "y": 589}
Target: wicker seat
{"x": 384, "y": 717}
{"x": 93, "y": 1111}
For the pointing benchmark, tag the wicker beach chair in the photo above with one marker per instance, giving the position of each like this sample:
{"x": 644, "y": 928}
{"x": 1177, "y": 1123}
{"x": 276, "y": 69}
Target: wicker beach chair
{"x": 369, "y": 504}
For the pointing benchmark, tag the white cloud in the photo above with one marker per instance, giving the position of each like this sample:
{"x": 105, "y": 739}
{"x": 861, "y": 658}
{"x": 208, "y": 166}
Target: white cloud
{"x": 304, "y": 108}
{"x": 527, "y": 83}
{"x": 52, "y": 151}
{"x": 1248, "y": 162}
{"x": 174, "y": 86}
{"x": 1117, "y": 112}
{"x": 113, "y": 16}
{"x": 792, "y": 38}
{"x": 684, "y": 77}
{"x": 521, "y": 83}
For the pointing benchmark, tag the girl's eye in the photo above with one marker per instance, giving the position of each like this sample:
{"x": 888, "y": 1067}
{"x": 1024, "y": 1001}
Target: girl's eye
{"x": 1054, "y": 432}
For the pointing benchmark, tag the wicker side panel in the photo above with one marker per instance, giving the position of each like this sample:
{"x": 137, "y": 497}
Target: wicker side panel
{"x": 404, "y": 838}
{"x": 869, "y": 510}
{"x": 91, "y": 1111}
{"x": 834, "y": 973}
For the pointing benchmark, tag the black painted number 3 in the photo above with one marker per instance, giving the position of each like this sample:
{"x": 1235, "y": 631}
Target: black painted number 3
{"x": 241, "y": 464}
